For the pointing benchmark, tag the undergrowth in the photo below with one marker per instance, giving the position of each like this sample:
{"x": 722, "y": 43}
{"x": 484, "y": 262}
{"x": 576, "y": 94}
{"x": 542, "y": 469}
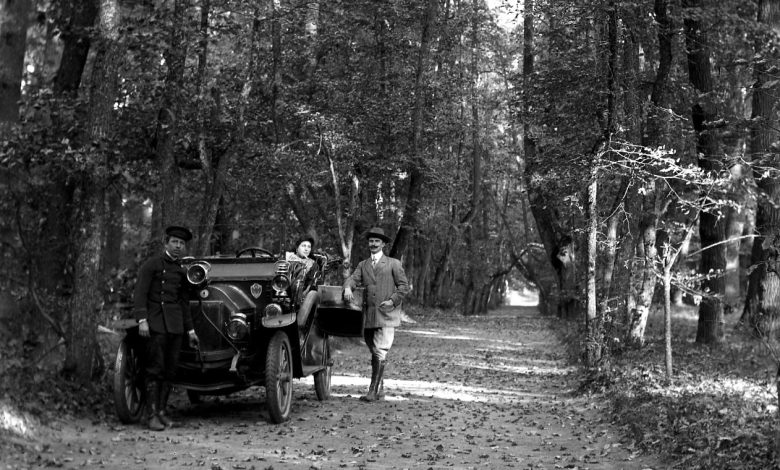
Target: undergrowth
{"x": 719, "y": 411}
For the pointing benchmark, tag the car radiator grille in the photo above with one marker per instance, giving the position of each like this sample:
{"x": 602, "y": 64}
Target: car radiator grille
{"x": 209, "y": 318}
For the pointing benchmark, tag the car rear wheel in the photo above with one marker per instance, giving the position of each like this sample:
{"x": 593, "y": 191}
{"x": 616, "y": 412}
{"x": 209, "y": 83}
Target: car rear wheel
{"x": 279, "y": 378}
{"x": 128, "y": 384}
{"x": 322, "y": 378}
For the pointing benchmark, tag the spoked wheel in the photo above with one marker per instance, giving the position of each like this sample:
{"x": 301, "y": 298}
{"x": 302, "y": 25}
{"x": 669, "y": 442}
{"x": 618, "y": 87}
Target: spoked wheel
{"x": 279, "y": 378}
{"x": 128, "y": 384}
{"x": 322, "y": 378}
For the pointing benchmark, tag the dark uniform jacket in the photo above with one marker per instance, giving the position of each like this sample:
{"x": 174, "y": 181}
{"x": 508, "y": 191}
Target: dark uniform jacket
{"x": 161, "y": 296}
{"x": 386, "y": 281}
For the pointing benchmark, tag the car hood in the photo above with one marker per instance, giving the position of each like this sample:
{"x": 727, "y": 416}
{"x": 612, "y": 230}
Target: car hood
{"x": 242, "y": 272}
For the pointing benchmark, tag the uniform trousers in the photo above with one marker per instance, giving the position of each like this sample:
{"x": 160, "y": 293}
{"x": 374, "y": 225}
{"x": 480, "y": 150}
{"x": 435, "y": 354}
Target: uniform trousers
{"x": 162, "y": 356}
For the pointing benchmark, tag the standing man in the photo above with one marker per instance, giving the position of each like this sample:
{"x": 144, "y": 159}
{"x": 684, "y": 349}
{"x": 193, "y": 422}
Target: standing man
{"x": 386, "y": 286}
{"x": 161, "y": 307}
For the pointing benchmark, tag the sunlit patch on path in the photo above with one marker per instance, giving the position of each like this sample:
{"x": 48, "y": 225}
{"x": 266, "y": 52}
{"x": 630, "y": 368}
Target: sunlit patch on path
{"x": 402, "y": 390}
{"x": 13, "y": 421}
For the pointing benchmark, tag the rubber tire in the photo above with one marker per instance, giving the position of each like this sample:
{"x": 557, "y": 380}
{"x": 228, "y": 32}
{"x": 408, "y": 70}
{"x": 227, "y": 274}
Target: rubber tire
{"x": 279, "y": 378}
{"x": 322, "y": 378}
{"x": 129, "y": 396}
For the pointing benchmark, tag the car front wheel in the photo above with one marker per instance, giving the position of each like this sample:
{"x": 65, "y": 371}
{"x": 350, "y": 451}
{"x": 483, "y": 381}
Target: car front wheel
{"x": 128, "y": 384}
{"x": 279, "y": 378}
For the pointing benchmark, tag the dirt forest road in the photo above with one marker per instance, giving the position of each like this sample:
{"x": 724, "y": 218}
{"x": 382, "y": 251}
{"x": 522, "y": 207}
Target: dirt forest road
{"x": 489, "y": 392}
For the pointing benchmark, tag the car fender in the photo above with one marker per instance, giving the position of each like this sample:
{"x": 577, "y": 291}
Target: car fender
{"x": 279, "y": 321}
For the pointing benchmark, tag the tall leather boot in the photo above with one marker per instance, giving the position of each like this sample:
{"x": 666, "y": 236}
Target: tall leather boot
{"x": 152, "y": 410}
{"x": 162, "y": 405}
{"x": 380, "y": 391}
{"x": 377, "y": 369}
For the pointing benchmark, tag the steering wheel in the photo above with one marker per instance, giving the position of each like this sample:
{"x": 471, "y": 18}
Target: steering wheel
{"x": 254, "y": 250}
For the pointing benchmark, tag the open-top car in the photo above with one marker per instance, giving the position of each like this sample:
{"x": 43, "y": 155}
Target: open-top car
{"x": 261, "y": 320}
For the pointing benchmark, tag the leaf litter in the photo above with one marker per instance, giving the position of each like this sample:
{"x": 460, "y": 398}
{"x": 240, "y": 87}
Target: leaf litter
{"x": 494, "y": 391}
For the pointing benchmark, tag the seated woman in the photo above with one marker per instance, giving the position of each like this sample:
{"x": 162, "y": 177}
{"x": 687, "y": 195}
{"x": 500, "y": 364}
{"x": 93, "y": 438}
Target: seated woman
{"x": 303, "y": 269}
{"x": 301, "y": 253}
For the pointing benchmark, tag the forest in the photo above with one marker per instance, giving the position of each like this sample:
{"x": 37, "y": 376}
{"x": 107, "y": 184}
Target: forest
{"x": 618, "y": 157}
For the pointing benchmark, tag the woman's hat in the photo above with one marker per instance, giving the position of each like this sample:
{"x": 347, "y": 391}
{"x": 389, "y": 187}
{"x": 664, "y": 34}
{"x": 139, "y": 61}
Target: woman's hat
{"x": 377, "y": 232}
{"x": 305, "y": 238}
{"x": 179, "y": 232}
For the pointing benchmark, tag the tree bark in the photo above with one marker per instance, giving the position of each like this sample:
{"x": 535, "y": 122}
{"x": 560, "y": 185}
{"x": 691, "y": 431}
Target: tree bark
{"x": 216, "y": 187}
{"x": 762, "y": 303}
{"x": 543, "y": 213}
{"x": 276, "y": 69}
{"x": 345, "y": 220}
{"x": 594, "y": 337}
{"x": 475, "y": 274}
{"x": 83, "y": 358}
{"x": 75, "y": 23}
{"x": 646, "y": 274}
{"x": 424, "y": 281}
{"x": 168, "y": 121}
{"x": 312, "y": 29}
{"x": 409, "y": 221}
{"x": 667, "y": 279}
{"x": 711, "y": 229}
{"x": 114, "y": 230}
{"x": 14, "y": 16}
{"x": 75, "y": 34}
{"x": 204, "y": 155}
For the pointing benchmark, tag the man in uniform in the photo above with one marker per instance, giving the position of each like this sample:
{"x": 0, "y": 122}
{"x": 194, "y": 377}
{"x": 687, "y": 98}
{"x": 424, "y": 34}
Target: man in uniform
{"x": 161, "y": 307}
{"x": 386, "y": 286}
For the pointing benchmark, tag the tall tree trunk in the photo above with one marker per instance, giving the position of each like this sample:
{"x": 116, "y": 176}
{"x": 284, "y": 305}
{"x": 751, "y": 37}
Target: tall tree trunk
{"x": 562, "y": 296}
{"x": 54, "y": 267}
{"x": 735, "y": 226}
{"x": 735, "y": 144}
{"x": 646, "y": 274}
{"x": 216, "y": 187}
{"x": 711, "y": 230}
{"x": 762, "y": 303}
{"x": 204, "y": 154}
{"x": 667, "y": 280}
{"x": 75, "y": 23}
{"x": 82, "y": 353}
{"x": 424, "y": 281}
{"x": 475, "y": 274}
{"x": 312, "y": 29}
{"x": 168, "y": 122}
{"x": 114, "y": 230}
{"x": 594, "y": 336}
{"x": 276, "y": 68}
{"x": 345, "y": 219}
{"x": 594, "y": 321}
{"x": 620, "y": 241}
{"x": 78, "y": 18}
{"x": 226, "y": 228}
{"x": 14, "y": 16}
{"x": 442, "y": 268}
{"x": 409, "y": 221}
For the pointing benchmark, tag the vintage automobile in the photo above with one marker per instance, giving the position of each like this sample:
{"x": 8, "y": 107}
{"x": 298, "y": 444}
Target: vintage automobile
{"x": 261, "y": 320}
